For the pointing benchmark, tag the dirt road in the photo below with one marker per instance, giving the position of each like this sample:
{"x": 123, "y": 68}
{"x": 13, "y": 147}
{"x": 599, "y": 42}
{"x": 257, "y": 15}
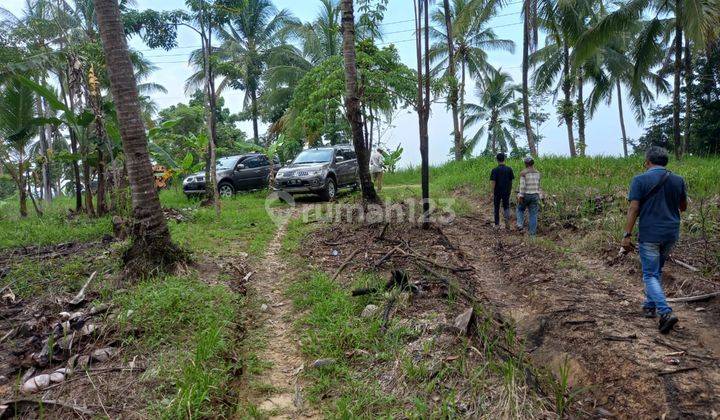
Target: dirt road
{"x": 285, "y": 397}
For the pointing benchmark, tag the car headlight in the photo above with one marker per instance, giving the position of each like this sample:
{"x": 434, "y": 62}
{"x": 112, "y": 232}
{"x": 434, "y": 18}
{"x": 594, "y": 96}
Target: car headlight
{"x": 188, "y": 180}
{"x": 279, "y": 175}
{"x": 315, "y": 172}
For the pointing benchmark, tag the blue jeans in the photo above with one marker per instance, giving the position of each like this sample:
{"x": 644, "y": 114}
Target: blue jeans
{"x": 652, "y": 258}
{"x": 531, "y": 202}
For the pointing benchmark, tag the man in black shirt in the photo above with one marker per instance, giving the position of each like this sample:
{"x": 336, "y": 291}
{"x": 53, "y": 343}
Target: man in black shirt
{"x": 501, "y": 179}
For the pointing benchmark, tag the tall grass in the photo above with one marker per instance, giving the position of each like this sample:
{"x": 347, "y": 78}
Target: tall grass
{"x": 561, "y": 175}
{"x": 581, "y": 189}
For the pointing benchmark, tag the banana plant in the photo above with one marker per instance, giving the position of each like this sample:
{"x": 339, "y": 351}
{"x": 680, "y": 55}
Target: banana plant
{"x": 391, "y": 159}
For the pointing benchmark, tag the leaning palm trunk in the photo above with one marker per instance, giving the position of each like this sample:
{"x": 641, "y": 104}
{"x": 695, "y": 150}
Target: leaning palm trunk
{"x": 151, "y": 247}
{"x": 525, "y": 71}
{"x": 352, "y": 102}
{"x": 459, "y": 146}
{"x": 622, "y": 118}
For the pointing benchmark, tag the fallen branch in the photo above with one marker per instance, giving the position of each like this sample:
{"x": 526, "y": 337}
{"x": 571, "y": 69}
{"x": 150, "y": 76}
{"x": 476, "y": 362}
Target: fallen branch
{"x": 684, "y": 264}
{"x": 620, "y": 337}
{"x": 386, "y": 313}
{"x": 345, "y": 264}
{"x": 385, "y": 257}
{"x": 697, "y": 298}
{"x": 74, "y": 407}
{"x": 672, "y": 372}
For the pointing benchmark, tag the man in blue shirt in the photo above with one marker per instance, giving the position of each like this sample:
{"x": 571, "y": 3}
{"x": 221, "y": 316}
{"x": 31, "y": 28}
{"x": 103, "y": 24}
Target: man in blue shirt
{"x": 657, "y": 197}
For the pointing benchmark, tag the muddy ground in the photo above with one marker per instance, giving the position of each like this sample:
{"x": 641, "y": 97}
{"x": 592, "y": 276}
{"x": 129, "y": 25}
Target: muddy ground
{"x": 571, "y": 309}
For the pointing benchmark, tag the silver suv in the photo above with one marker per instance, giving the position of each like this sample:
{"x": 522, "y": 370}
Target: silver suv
{"x": 321, "y": 171}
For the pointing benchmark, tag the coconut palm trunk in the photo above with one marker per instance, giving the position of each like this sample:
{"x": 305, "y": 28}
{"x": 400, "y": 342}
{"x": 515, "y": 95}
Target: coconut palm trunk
{"x": 527, "y": 33}
{"x": 581, "y": 114}
{"x": 567, "y": 103}
{"x": 677, "y": 141}
{"x": 622, "y": 118}
{"x": 21, "y": 181}
{"x": 45, "y": 167}
{"x": 462, "y": 103}
{"x": 352, "y": 102}
{"x": 151, "y": 247}
{"x": 688, "y": 94}
{"x": 254, "y": 111}
{"x": 459, "y": 144}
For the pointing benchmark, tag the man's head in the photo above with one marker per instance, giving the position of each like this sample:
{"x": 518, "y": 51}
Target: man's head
{"x": 500, "y": 157}
{"x": 529, "y": 161}
{"x": 656, "y": 156}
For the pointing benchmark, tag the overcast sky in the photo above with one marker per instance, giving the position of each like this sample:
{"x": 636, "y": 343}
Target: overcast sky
{"x": 602, "y": 132}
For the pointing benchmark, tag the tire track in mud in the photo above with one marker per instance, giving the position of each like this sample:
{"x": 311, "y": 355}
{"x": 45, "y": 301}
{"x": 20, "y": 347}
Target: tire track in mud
{"x": 577, "y": 311}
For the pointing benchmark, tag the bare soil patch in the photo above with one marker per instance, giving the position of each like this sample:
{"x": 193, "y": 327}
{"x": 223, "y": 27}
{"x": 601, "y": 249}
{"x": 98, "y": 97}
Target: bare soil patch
{"x": 571, "y": 309}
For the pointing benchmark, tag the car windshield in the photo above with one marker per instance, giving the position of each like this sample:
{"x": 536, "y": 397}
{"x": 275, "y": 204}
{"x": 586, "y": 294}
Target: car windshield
{"x": 226, "y": 163}
{"x": 314, "y": 156}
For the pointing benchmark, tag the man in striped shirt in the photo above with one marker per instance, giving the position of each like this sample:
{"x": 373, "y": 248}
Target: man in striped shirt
{"x": 529, "y": 196}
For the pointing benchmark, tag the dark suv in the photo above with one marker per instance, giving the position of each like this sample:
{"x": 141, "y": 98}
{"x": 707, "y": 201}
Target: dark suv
{"x": 321, "y": 171}
{"x": 235, "y": 173}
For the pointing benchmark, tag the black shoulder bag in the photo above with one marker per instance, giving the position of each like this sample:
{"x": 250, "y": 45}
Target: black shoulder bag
{"x": 655, "y": 188}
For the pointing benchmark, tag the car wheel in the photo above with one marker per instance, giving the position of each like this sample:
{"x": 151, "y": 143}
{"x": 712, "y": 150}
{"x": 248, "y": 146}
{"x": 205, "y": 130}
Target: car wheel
{"x": 330, "y": 191}
{"x": 226, "y": 190}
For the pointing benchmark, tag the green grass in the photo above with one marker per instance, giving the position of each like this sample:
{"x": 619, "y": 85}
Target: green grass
{"x": 189, "y": 324}
{"x": 54, "y": 227}
{"x": 243, "y": 225}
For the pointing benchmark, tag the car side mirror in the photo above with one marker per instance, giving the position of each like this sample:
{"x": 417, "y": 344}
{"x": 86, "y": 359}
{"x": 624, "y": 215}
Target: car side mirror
{"x": 339, "y": 158}
{"x": 241, "y": 166}
{"x": 289, "y": 161}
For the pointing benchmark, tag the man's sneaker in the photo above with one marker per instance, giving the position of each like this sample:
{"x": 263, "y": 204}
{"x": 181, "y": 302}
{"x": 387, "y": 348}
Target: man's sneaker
{"x": 667, "y": 322}
{"x": 649, "y": 312}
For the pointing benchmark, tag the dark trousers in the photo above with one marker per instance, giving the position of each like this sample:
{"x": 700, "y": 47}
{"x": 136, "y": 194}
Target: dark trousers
{"x": 504, "y": 199}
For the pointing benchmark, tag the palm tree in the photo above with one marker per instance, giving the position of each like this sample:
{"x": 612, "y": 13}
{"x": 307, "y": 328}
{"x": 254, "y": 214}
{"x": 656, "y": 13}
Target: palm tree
{"x": 496, "y": 112}
{"x": 321, "y": 38}
{"x": 695, "y": 19}
{"x": 472, "y": 38}
{"x": 352, "y": 102}
{"x": 564, "y": 23}
{"x": 152, "y": 247}
{"x": 612, "y": 70}
{"x": 251, "y": 35}
{"x": 530, "y": 42}
{"x": 17, "y": 112}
